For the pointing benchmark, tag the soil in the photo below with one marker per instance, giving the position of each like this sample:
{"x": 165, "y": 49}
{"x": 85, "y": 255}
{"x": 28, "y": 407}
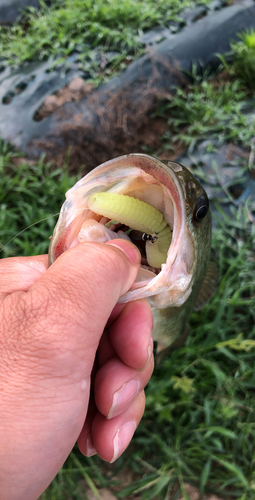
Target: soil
{"x": 134, "y": 130}
{"x": 125, "y": 127}
{"x": 147, "y": 140}
{"x": 194, "y": 494}
{"x": 106, "y": 124}
{"x": 76, "y": 90}
{"x": 106, "y": 494}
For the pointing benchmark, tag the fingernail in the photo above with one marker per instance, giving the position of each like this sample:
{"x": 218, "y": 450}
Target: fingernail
{"x": 90, "y": 447}
{"x": 123, "y": 397}
{"x": 128, "y": 248}
{"x": 122, "y": 439}
{"x": 150, "y": 350}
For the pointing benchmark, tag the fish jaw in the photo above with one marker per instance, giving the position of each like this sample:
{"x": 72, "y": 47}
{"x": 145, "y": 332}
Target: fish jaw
{"x": 147, "y": 178}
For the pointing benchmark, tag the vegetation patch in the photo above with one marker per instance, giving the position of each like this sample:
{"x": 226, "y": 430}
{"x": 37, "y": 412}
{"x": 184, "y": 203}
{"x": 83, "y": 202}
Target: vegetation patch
{"x": 89, "y": 28}
{"x": 243, "y": 58}
{"x": 31, "y": 193}
{"x": 212, "y": 107}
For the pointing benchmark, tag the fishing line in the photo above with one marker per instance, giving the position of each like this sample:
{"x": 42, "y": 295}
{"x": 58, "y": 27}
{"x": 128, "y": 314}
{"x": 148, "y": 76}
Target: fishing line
{"x": 34, "y": 224}
{"x": 26, "y": 228}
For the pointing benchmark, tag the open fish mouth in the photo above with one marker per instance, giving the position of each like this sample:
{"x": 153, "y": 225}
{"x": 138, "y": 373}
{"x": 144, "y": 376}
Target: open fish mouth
{"x": 142, "y": 199}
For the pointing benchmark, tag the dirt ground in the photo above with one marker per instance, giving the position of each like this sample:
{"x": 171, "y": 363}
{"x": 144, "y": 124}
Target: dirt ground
{"x": 124, "y": 477}
{"x": 194, "y": 494}
{"x": 76, "y": 90}
{"x": 124, "y": 123}
{"x": 191, "y": 491}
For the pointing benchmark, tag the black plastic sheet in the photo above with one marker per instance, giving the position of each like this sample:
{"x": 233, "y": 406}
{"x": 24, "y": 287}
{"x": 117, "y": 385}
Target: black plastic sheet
{"x": 11, "y": 10}
{"x": 86, "y": 121}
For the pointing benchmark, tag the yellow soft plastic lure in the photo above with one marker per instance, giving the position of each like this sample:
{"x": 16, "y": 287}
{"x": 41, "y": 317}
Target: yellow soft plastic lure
{"x": 137, "y": 215}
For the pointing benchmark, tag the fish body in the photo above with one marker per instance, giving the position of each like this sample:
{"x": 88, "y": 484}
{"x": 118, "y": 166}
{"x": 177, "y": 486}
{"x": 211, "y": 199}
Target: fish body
{"x": 185, "y": 280}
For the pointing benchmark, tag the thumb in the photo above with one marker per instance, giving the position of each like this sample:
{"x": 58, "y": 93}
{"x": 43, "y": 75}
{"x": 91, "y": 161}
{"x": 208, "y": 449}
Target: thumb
{"x": 78, "y": 292}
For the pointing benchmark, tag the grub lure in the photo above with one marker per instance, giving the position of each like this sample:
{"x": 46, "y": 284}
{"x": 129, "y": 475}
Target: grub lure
{"x": 140, "y": 216}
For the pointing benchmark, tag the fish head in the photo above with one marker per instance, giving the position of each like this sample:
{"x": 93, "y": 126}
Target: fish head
{"x": 171, "y": 189}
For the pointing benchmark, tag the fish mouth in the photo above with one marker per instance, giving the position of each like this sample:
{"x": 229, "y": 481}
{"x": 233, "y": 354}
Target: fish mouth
{"x": 147, "y": 179}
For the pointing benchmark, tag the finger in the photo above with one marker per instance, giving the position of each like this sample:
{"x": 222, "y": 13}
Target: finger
{"x": 81, "y": 288}
{"x": 111, "y": 437}
{"x": 130, "y": 335}
{"x": 20, "y": 273}
{"x": 116, "y": 385}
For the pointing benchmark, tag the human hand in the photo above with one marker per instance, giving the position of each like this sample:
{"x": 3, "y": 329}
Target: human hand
{"x": 52, "y": 323}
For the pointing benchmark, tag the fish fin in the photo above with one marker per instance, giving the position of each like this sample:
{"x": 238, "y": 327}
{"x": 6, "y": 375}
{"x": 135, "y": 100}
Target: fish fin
{"x": 208, "y": 287}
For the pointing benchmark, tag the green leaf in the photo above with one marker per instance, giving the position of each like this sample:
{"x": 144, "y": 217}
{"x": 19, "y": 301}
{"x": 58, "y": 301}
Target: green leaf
{"x": 220, "y": 430}
{"x": 205, "y": 474}
{"x": 184, "y": 383}
{"x": 234, "y": 469}
{"x": 87, "y": 477}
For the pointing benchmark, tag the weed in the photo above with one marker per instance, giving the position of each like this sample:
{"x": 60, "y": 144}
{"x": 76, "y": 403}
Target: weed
{"x": 29, "y": 194}
{"x": 205, "y": 110}
{"x": 240, "y": 61}
{"x": 244, "y": 57}
{"x": 88, "y": 28}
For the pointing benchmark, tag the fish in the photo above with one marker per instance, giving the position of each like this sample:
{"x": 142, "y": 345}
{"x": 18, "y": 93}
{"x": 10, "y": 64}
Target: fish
{"x": 134, "y": 196}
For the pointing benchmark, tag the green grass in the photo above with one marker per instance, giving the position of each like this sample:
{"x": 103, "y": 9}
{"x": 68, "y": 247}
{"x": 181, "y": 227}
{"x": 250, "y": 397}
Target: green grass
{"x": 243, "y": 58}
{"x": 29, "y": 193}
{"x": 204, "y": 109}
{"x": 83, "y": 25}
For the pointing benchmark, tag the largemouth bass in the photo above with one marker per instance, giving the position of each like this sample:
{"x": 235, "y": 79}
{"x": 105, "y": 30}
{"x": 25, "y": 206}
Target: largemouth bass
{"x": 142, "y": 198}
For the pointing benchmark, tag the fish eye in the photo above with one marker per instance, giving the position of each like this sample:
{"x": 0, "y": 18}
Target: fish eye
{"x": 201, "y": 208}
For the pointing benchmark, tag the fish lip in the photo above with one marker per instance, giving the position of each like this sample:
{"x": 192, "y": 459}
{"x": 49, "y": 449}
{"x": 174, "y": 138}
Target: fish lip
{"x": 105, "y": 177}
